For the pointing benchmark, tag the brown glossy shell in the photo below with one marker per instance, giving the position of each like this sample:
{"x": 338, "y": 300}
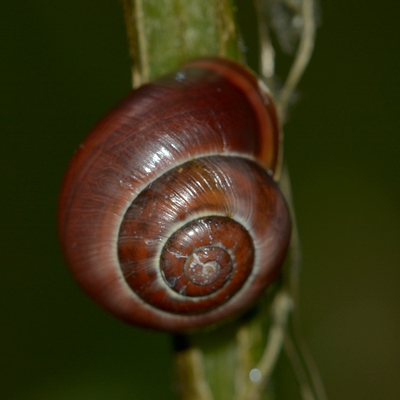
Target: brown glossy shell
{"x": 168, "y": 217}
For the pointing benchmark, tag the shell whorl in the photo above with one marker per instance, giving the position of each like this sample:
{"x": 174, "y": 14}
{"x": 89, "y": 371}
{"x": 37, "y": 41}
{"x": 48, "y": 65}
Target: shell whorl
{"x": 218, "y": 208}
{"x": 186, "y": 155}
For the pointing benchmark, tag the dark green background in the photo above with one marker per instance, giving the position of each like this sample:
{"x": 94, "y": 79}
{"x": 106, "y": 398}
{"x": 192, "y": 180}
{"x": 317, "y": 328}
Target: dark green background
{"x": 63, "y": 64}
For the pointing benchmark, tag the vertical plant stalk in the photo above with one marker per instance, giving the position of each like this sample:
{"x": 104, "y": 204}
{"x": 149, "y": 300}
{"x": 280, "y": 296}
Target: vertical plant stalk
{"x": 303, "y": 54}
{"x": 304, "y": 15}
{"x": 164, "y": 34}
{"x": 233, "y": 362}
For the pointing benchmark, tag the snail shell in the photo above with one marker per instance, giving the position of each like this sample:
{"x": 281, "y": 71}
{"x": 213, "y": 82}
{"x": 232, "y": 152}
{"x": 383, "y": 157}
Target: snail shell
{"x": 169, "y": 215}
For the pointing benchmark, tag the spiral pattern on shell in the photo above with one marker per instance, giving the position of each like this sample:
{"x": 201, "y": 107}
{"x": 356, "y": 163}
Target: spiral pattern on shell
{"x": 169, "y": 215}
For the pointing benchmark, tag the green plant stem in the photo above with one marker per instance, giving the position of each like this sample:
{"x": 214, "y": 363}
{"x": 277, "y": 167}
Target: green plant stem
{"x": 162, "y": 35}
{"x": 219, "y": 364}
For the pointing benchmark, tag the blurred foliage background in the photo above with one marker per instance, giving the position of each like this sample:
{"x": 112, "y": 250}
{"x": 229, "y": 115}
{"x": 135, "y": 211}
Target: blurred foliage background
{"x": 63, "y": 65}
